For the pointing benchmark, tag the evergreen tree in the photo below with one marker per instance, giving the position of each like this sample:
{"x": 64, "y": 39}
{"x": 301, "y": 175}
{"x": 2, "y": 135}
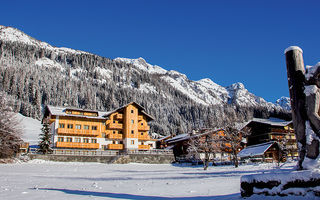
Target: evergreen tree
{"x": 45, "y": 139}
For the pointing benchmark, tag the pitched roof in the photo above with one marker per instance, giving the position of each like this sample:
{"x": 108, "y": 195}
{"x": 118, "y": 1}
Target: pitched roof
{"x": 271, "y": 121}
{"x": 138, "y": 105}
{"x": 187, "y": 136}
{"x": 255, "y": 150}
{"x": 61, "y": 111}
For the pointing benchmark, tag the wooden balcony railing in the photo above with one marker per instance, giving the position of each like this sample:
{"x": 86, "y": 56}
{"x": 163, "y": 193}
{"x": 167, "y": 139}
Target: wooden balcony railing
{"x": 115, "y": 146}
{"x": 119, "y": 116}
{"x": 115, "y": 126}
{"x": 144, "y": 137}
{"x": 144, "y": 147}
{"x": 77, "y": 145}
{"x": 115, "y": 136}
{"x": 79, "y": 132}
{"x": 143, "y": 128}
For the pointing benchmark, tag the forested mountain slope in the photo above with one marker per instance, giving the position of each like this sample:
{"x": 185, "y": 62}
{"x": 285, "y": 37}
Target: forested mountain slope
{"x": 34, "y": 73}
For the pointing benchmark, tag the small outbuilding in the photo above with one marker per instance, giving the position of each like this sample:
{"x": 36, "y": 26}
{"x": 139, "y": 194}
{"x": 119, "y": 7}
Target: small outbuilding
{"x": 265, "y": 152}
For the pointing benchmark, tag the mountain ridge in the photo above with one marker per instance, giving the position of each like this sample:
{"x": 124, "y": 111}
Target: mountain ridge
{"x": 82, "y": 79}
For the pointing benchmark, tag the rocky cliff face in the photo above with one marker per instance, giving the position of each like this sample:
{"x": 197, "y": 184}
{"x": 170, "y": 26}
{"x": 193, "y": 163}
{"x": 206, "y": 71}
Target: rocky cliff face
{"x": 34, "y": 73}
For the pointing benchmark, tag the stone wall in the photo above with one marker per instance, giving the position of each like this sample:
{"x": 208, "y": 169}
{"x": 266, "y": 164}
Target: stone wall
{"x": 120, "y": 159}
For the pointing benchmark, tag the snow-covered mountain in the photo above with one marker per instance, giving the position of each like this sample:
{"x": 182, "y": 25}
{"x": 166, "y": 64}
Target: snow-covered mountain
{"x": 204, "y": 91}
{"x": 284, "y": 102}
{"x": 61, "y": 76}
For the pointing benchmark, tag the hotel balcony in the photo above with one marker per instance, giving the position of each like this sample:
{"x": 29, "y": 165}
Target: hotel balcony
{"x": 143, "y": 128}
{"x": 119, "y": 116}
{"x": 115, "y": 136}
{"x": 144, "y": 147}
{"x": 77, "y": 145}
{"x": 77, "y": 132}
{"x": 115, "y": 146}
{"x": 115, "y": 126}
{"x": 144, "y": 137}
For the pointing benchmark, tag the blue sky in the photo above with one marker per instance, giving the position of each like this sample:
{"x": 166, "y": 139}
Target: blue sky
{"x": 226, "y": 41}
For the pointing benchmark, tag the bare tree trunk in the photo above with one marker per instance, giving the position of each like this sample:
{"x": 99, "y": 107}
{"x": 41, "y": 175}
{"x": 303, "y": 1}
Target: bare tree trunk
{"x": 206, "y": 161}
{"x": 235, "y": 159}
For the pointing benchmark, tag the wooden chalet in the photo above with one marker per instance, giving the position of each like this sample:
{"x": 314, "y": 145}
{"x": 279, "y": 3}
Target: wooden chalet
{"x": 265, "y": 152}
{"x": 180, "y": 143}
{"x": 273, "y": 129}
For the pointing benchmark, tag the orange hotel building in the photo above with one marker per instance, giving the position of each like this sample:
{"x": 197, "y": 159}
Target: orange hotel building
{"x": 124, "y": 128}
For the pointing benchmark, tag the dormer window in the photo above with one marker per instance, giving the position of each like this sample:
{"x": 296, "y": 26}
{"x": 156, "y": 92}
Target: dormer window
{"x": 132, "y": 111}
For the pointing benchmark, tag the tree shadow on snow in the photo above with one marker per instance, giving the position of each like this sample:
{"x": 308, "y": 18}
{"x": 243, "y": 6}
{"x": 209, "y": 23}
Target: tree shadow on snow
{"x": 139, "y": 197}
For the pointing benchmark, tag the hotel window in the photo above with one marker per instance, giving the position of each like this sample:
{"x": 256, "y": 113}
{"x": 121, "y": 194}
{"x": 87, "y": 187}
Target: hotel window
{"x": 77, "y": 140}
{"x": 120, "y": 132}
{"x": 113, "y": 142}
{"x": 141, "y": 124}
{"x": 132, "y": 132}
{"x": 70, "y": 126}
{"x": 78, "y": 126}
{"x": 60, "y": 139}
{"x": 113, "y": 132}
{"x": 131, "y": 111}
{"x": 69, "y": 139}
{"x": 86, "y": 127}
{"x": 151, "y": 145}
{"x": 141, "y": 133}
{"x": 61, "y": 125}
{"x": 85, "y": 140}
{"x": 132, "y": 141}
{"x": 132, "y": 121}
{"x": 121, "y": 142}
{"x": 114, "y": 121}
{"x": 142, "y": 143}
{"x": 93, "y": 140}
{"x": 94, "y": 128}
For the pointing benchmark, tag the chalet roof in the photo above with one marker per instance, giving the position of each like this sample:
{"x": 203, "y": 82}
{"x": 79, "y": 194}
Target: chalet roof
{"x": 136, "y": 104}
{"x": 164, "y": 138}
{"x": 187, "y": 136}
{"x": 271, "y": 121}
{"x": 179, "y": 137}
{"x": 61, "y": 111}
{"x": 255, "y": 150}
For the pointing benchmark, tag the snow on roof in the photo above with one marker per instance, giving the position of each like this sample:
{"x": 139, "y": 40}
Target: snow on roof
{"x": 271, "y": 121}
{"x": 61, "y": 111}
{"x": 255, "y": 150}
{"x": 187, "y": 136}
{"x": 179, "y": 137}
{"x": 141, "y": 107}
{"x": 164, "y": 138}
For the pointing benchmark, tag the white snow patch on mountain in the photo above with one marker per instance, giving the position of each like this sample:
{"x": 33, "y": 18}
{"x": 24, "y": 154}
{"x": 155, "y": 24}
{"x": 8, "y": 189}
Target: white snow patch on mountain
{"x": 141, "y": 64}
{"x": 46, "y": 62}
{"x": 147, "y": 88}
{"x": 31, "y": 128}
{"x": 105, "y": 73}
{"x": 284, "y": 102}
{"x": 14, "y": 35}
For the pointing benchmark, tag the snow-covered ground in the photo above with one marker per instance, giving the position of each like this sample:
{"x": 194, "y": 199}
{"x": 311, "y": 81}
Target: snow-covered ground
{"x": 39, "y": 179}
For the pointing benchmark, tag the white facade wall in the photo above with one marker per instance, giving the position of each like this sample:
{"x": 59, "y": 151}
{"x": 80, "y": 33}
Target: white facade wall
{"x": 128, "y": 143}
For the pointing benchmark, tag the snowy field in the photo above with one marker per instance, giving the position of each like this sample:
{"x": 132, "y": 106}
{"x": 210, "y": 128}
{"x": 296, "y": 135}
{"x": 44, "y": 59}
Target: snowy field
{"x": 39, "y": 179}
